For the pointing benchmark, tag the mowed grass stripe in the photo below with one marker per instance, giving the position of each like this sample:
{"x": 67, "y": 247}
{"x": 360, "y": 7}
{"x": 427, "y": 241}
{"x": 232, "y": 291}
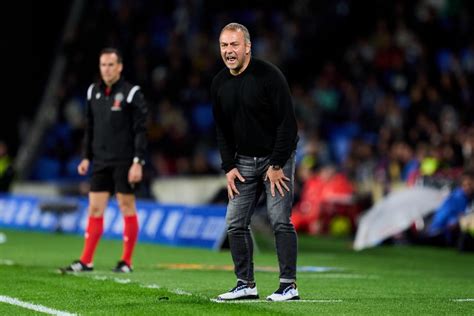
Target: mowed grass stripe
{"x": 385, "y": 280}
{"x": 34, "y": 307}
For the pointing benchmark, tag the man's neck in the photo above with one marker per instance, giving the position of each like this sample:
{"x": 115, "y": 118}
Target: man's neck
{"x": 242, "y": 69}
{"x": 111, "y": 83}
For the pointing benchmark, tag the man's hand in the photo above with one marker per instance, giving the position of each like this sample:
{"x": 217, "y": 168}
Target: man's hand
{"x": 277, "y": 178}
{"x": 231, "y": 188}
{"x": 83, "y": 167}
{"x": 135, "y": 173}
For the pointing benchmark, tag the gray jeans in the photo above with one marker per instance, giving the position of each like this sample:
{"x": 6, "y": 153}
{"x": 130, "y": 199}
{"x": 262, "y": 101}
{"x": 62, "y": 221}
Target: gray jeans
{"x": 241, "y": 208}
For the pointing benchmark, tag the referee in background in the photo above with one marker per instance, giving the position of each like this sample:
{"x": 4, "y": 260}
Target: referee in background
{"x": 115, "y": 145}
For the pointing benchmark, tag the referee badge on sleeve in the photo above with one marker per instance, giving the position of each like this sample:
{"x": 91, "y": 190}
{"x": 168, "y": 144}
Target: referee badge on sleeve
{"x": 117, "y": 101}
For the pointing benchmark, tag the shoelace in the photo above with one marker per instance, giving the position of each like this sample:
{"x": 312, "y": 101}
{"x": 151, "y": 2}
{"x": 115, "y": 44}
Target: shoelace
{"x": 283, "y": 290}
{"x": 288, "y": 288}
{"x": 239, "y": 287}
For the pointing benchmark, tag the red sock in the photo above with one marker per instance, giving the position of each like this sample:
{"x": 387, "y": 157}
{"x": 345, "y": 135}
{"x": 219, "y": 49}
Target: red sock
{"x": 130, "y": 234}
{"x": 94, "y": 230}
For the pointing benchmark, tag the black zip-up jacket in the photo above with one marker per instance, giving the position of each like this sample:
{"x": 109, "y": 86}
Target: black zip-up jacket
{"x": 115, "y": 124}
{"x": 254, "y": 114}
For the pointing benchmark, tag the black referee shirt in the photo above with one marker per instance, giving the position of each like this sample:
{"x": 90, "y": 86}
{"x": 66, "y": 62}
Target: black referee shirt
{"x": 115, "y": 123}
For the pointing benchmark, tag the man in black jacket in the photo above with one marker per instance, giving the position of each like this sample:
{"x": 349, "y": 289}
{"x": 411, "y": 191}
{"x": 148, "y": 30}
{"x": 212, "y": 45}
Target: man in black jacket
{"x": 115, "y": 141}
{"x": 257, "y": 136}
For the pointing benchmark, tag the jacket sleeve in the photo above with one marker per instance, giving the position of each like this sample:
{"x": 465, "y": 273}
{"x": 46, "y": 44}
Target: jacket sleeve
{"x": 286, "y": 133}
{"x": 139, "y": 116}
{"x": 89, "y": 127}
{"x": 225, "y": 139}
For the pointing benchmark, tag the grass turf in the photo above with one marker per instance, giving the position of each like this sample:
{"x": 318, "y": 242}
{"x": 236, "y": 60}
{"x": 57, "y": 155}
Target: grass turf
{"x": 399, "y": 280}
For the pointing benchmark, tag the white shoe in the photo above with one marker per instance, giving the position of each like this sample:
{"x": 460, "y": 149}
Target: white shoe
{"x": 286, "y": 292}
{"x": 242, "y": 291}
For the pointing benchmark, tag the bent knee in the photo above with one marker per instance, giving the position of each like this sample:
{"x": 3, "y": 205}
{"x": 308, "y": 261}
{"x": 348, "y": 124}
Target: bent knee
{"x": 236, "y": 226}
{"x": 127, "y": 208}
{"x": 283, "y": 227}
{"x": 96, "y": 210}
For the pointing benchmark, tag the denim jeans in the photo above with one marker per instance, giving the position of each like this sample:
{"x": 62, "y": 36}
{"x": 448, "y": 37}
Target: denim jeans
{"x": 241, "y": 208}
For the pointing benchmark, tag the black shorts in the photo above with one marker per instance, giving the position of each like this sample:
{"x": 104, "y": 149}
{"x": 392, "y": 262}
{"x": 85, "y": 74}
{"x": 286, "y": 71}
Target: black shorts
{"x": 111, "y": 178}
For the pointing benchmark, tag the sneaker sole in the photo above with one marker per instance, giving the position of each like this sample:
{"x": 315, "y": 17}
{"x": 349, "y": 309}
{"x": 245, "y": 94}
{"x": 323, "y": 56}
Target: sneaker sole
{"x": 65, "y": 271}
{"x": 294, "y": 298}
{"x": 248, "y": 297}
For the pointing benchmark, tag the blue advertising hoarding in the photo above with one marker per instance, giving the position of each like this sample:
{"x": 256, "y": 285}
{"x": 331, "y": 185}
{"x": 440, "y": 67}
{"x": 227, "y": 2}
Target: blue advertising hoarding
{"x": 177, "y": 225}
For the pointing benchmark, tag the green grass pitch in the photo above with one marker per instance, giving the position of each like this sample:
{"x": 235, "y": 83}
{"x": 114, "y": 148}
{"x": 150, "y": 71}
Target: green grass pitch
{"x": 398, "y": 280}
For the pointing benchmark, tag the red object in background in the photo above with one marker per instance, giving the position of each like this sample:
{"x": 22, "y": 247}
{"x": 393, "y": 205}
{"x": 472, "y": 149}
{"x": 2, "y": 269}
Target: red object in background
{"x": 324, "y": 195}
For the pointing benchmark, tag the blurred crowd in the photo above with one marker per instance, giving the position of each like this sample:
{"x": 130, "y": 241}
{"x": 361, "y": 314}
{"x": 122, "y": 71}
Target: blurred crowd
{"x": 383, "y": 91}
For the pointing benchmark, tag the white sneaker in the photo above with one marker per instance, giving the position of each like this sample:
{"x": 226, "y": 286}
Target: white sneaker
{"x": 242, "y": 291}
{"x": 286, "y": 292}
{"x": 77, "y": 266}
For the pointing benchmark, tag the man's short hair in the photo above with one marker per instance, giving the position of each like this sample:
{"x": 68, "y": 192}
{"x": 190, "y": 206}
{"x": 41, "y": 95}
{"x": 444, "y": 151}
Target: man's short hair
{"x": 111, "y": 50}
{"x": 238, "y": 27}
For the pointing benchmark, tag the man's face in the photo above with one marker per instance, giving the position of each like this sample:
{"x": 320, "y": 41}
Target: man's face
{"x": 467, "y": 184}
{"x": 235, "y": 51}
{"x": 110, "y": 68}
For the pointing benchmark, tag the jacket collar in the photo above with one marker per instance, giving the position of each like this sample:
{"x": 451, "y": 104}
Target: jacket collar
{"x": 118, "y": 83}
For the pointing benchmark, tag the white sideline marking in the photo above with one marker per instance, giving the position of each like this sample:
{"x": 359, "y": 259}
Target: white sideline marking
{"x": 464, "y": 300}
{"x": 175, "y": 291}
{"x": 150, "y": 286}
{"x": 265, "y": 301}
{"x": 180, "y": 292}
{"x": 6, "y": 262}
{"x": 128, "y": 281}
{"x": 122, "y": 281}
{"x": 35, "y": 307}
{"x": 340, "y": 276}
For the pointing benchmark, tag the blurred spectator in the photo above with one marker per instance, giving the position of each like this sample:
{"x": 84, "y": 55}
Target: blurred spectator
{"x": 326, "y": 185}
{"x": 6, "y": 168}
{"x": 454, "y": 205}
{"x": 466, "y": 240}
{"x": 403, "y": 75}
{"x": 444, "y": 226}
